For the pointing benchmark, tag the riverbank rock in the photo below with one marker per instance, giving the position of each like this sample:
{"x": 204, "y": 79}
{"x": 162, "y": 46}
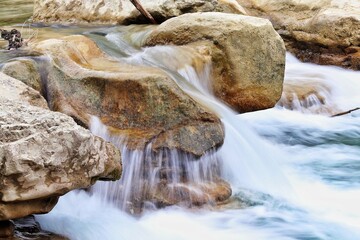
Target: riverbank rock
{"x": 248, "y": 55}
{"x": 44, "y": 154}
{"x": 123, "y": 11}
{"x": 142, "y": 104}
{"x": 324, "y": 32}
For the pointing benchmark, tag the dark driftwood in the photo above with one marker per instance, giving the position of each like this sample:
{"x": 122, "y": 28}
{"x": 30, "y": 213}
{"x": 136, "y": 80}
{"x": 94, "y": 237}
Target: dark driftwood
{"x": 143, "y": 11}
{"x": 344, "y": 113}
{"x": 13, "y": 37}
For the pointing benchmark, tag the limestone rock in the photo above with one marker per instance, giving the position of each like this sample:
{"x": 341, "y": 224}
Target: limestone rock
{"x": 140, "y": 103}
{"x": 122, "y": 11}
{"x": 44, "y": 154}
{"x": 322, "y": 31}
{"x": 14, "y": 90}
{"x": 248, "y": 55}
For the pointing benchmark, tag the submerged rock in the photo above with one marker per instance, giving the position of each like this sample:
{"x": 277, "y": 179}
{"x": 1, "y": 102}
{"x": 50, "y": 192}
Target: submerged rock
{"x": 190, "y": 194}
{"x": 323, "y": 32}
{"x": 28, "y": 228}
{"x": 7, "y": 229}
{"x": 44, "y": 154}
{"x": 123, "y": 11}
{"x": 248, "y": 55}
{"x": 307, "y": 97}
{"x": 142, "y": 104}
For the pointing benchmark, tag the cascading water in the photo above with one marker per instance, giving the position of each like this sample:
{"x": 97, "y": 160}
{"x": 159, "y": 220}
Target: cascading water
{"x": 157, "y": 179}
{"x": 261, "y": 173}
{"x": 319, "y": 157}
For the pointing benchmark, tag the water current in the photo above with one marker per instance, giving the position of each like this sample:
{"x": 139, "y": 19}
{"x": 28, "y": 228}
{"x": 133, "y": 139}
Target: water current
{"x": 294, "y": 169}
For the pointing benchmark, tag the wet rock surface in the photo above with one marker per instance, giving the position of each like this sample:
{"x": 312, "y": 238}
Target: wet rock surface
{"x": 142, "y": 104}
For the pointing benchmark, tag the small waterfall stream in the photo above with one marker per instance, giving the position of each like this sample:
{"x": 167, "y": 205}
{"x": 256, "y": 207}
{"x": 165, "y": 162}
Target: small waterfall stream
{"x": 262, "y": 172}
{"x": 161, "y": 178}
{"x": 294, "y": 174}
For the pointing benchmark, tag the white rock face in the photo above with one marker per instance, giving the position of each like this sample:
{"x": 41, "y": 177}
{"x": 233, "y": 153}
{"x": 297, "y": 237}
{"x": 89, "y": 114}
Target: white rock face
{"x": 319, "y": 31}
{"x": 328, "y": 22}
{"x": 123, "y": 11}
{"x": 44, "y": 154}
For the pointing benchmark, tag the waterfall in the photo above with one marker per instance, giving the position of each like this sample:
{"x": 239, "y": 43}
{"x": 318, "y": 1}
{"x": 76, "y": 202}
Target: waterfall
{"x": 152, "y": 180}
{"x": 248, "y": 160}
{"x": 309, "y": 159}
{"x": 309, "y": 88}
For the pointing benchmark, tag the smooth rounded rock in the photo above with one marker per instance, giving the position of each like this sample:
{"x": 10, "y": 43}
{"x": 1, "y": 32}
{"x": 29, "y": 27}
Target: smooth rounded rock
{"x": 248, "y": 56}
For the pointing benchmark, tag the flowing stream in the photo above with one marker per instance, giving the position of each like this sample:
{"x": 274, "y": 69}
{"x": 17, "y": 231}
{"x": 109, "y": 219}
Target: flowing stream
{"x": 294, "y": 171}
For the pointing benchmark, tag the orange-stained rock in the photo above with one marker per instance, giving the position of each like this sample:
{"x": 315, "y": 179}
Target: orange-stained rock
{"x": 142, "y": 104}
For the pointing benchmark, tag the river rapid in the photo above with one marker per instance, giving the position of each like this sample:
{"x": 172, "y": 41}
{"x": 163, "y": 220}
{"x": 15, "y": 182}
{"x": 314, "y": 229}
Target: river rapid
{"x": 294, "y": 169}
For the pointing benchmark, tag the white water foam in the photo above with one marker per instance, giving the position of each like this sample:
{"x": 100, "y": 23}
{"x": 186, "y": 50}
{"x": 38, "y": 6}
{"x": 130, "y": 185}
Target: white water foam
{"x": 321, "y": 209}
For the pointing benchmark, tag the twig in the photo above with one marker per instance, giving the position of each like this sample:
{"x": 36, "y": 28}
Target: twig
{"x": 347, "y": 112}
{"x": 143, "y": 11}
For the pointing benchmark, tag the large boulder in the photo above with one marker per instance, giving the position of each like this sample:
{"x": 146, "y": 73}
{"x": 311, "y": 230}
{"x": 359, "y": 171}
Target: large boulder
{"x": 248, "y": 55}
{"x": 44, "y": 154}
{"x": 123, "y": 11}
{"x": 140, "y": 103}
{"x": 158, "y": 126}
{"x": 323, "y": 31}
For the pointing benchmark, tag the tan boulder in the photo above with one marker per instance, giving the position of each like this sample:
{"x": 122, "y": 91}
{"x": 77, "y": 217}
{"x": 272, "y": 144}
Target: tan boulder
{"x": 140, "y": 103}
{"x": 44, "y": 154}
{"x": 123, "y": 11}
{"x": 322, "y": 31}
{"x": 248, "y": 56}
